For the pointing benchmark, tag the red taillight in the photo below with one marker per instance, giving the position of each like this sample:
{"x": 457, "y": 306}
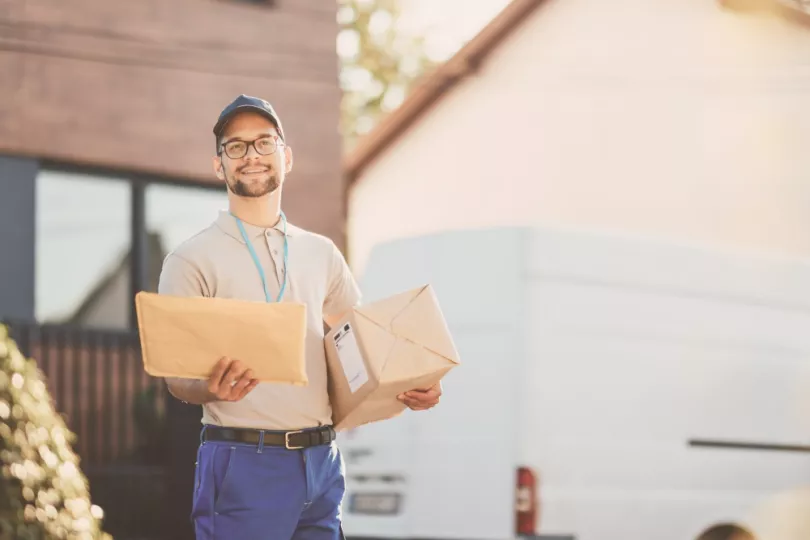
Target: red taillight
{"x": 526, "y": 502}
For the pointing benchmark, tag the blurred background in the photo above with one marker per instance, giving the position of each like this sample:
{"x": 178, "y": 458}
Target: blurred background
{"x": 612, "y": 200}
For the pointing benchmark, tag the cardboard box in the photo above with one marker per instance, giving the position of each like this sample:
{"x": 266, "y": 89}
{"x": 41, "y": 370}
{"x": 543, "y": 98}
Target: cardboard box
{"x": 186, "y": 336}
{"x": 385, "y": 348}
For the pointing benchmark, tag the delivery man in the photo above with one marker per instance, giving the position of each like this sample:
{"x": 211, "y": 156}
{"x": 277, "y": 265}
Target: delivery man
{"x": 267, "y": 465}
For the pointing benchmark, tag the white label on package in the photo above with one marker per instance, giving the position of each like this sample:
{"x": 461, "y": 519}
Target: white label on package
{"x": 349, "y": 353}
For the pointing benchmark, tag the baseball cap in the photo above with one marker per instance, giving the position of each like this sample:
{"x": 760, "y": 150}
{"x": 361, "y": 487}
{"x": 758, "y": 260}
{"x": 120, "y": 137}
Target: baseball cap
{"x": 247, "y": 103}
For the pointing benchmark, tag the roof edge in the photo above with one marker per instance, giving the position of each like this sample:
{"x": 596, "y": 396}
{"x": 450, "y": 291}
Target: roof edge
{"x": 435, "y": 84}
{"x": 789, "y": 9}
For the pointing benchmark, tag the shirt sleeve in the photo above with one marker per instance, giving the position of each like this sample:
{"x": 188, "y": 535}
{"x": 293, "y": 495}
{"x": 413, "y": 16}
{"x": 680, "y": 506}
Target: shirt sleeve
{"x": 343, "y": 293}
{"x": 179, "y": 277}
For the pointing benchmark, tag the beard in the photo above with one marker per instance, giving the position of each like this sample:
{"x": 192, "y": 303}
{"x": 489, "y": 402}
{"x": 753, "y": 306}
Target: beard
{"x": 256, "y": 188}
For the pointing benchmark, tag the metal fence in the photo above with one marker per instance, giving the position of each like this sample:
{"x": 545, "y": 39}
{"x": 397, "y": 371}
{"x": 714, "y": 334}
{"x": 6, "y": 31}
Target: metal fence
{"x": 117, "y": 413}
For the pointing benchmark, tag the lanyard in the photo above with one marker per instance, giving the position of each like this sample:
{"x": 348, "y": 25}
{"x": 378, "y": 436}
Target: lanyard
{"x": 258, "y": 264}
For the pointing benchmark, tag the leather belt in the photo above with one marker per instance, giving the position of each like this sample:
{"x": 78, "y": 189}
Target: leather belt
{"x": 291, "y": 440}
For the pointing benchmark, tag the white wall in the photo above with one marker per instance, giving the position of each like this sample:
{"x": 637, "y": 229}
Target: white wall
{"x": 673, "y": 118}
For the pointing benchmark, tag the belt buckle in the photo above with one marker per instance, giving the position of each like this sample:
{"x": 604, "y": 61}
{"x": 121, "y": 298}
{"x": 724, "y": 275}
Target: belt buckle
{"x": 287, "y": 440}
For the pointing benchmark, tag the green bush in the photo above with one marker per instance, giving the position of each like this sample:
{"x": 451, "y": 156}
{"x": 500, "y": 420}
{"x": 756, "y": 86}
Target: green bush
{"x": 43, "y": 492}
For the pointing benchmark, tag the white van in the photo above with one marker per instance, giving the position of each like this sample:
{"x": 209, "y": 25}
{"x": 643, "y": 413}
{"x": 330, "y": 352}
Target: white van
{"x": 610, "y": 388}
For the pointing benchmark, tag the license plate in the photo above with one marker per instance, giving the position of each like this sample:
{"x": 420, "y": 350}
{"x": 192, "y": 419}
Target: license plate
{"x": 378, "y": 504}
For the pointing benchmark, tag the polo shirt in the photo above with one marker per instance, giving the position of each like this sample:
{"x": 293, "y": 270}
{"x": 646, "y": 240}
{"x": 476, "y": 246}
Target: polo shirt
{"x": 216, "y": 262}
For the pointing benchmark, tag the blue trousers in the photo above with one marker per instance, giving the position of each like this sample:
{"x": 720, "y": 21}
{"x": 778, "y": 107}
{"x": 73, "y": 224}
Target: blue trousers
{"x": 246, "y": 492}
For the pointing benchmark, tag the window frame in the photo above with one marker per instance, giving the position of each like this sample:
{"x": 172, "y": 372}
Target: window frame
{"x": 138, "y": 182}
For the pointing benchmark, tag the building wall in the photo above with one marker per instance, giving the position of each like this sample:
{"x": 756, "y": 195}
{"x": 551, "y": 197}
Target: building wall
{"x": 675, "y": 119}
{"x": 138, "y": 86}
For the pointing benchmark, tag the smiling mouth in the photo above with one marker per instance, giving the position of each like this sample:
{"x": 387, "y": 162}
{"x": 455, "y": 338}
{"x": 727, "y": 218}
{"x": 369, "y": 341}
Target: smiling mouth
{"x": 258, "y": 170}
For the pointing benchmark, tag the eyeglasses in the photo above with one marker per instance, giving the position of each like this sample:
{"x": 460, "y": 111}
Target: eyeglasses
{"x": 263, "y": 145}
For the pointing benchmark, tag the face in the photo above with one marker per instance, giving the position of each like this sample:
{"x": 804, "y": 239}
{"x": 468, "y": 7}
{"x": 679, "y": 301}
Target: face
{"x": 256, "y": 173}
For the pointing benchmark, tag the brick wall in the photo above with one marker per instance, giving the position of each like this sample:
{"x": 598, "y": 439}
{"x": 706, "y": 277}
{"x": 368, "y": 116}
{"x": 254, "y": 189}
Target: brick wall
{"x": 138, "y": 85}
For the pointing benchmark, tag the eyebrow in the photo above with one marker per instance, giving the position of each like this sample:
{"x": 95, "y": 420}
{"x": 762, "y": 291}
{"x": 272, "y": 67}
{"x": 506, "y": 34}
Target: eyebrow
{"x": 261, "y": 136}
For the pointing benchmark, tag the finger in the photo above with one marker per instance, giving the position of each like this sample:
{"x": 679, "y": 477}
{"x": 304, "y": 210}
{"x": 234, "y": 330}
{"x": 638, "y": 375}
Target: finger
{"x": 428, "y": 401}
{"x": 236, "y": 370}
{"x": 215, "y": 379}
{"x": 246, "y": 390}
{"x": 419, "y": 395}
{"x": 430, "y": 390}
{"x": 434, "y": 388}
{"x": 241, "y": 383}
{"x": 233, "y": 374}
{"x": 419, "y": 405}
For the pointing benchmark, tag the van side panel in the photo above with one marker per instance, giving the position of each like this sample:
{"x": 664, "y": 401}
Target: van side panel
{"x": 637, "y": 350}
{"x": 457, "y": 463}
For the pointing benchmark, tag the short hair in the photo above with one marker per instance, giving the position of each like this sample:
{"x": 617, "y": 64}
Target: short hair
{"x": 726, "y": 531}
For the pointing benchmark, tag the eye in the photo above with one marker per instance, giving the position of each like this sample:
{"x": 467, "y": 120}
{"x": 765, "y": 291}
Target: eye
{"x": 265, "y": 144}
{"x": 235, "y": 147}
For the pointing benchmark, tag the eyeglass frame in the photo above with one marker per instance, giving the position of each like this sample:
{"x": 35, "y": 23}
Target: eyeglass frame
{"x": 277, "y": 143}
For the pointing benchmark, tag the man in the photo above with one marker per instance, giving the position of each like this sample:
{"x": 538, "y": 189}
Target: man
{"x": 267, "y": 466}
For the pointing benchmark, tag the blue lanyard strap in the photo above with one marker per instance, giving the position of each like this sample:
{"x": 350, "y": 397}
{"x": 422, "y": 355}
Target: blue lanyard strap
{"x": 258, "y": 264}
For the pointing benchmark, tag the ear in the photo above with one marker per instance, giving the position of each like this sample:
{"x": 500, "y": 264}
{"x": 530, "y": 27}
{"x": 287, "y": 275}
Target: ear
{"x": 217, "y": 162}
{"x": 288, "y": 159}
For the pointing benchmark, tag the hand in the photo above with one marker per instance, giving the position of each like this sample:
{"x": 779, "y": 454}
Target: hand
{"x": 422, "y": 400}
{"x": 231, "y": 380}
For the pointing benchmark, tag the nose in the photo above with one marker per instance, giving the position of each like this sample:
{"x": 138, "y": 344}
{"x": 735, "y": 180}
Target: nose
{"x": 252, "y": 153}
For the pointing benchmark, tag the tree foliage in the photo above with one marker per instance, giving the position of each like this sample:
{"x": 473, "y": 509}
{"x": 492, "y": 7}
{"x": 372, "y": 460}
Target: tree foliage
{"x": 43, "y": 493}
{"x": 379, "y": 63}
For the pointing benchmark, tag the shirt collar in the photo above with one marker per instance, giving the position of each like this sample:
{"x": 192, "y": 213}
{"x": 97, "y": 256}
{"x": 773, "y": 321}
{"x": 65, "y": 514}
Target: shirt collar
{"x": 227, "y": 222}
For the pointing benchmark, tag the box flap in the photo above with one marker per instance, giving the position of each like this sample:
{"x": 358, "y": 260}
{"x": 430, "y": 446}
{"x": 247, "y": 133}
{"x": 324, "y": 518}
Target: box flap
{"x": 409, "y": 361}
{"x": 384, "y": 311}
{"x": 376, "y": 342}
{"x": 421, "y": 321}
{"x": 414, "y": 315}
{"x": 391, "y": 389}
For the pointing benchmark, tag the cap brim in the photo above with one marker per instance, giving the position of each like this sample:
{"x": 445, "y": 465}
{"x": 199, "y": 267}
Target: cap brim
{"x": 220, "y": 125}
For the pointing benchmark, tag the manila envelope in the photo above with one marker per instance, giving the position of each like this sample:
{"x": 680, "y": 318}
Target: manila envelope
{"x": 186, "y": 336}
{"x": 382, "y": 349}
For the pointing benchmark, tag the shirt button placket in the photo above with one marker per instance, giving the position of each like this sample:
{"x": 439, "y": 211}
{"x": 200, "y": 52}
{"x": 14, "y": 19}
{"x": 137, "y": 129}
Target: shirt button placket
{"x": 275, "y": 254}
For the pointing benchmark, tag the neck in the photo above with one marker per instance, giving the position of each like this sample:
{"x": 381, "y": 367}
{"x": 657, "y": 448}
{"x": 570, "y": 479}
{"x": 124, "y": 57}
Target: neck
{"x": 259, "y": 211}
